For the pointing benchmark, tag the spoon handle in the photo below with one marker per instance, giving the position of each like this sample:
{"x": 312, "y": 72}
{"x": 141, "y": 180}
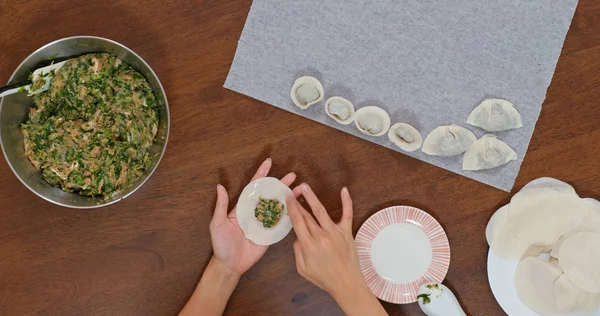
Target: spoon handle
{"x": 13, "y": 88}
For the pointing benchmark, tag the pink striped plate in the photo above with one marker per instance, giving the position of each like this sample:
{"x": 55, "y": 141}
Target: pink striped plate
{"x": 401, "y": 248}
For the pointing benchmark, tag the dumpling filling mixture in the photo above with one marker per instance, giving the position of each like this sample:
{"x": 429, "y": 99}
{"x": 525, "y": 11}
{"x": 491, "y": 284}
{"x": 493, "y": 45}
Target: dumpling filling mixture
{"x": 91, "y": 132}
{"x": 268, "y": 211}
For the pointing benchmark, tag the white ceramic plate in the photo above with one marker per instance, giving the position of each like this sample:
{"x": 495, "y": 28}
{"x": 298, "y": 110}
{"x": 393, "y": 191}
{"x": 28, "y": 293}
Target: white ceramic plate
{"x": 501, "y": 277}
{"x": 401, "y": 248}
{"x": 267, "y": 188}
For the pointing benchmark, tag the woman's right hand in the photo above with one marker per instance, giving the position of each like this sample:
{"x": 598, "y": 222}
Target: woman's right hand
{"x": 326, "y": 254}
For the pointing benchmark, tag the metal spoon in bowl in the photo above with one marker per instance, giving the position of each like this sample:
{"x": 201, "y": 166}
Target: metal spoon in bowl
{"x": 40, "y": 81}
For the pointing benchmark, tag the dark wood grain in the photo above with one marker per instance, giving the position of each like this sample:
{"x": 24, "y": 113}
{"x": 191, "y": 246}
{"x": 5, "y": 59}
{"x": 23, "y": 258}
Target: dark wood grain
{"x": 144, "y": 255}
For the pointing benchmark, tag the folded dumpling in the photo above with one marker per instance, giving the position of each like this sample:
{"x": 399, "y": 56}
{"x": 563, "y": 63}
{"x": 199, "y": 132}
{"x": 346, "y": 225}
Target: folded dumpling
{"x": 495, "y": 115}
{"x": 372, "y": 121}
{"x": 306, "y": 91}
{"x": 488, "y": 152}
{"x": 448, "y": 140}
{"x": 405, "y": 136}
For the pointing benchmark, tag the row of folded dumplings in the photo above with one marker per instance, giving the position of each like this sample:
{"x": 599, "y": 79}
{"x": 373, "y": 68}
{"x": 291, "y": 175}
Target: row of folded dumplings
{"x": 488, "y": 152}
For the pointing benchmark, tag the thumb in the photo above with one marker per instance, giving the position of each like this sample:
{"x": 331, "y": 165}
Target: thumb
{"x": 220, "y": 215}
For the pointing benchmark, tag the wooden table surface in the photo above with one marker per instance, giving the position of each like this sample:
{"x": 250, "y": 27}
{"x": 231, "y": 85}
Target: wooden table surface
{"x": 144, "y": 255}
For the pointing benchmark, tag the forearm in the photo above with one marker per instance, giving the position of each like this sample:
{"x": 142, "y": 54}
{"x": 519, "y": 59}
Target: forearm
{"x": 213, "y": 291}
{"x": 357, "y": 301}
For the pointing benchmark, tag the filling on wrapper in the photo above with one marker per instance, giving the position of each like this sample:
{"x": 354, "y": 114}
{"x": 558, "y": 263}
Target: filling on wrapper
{"x": 261, "y": 211}
{"x": 268, "y": 211}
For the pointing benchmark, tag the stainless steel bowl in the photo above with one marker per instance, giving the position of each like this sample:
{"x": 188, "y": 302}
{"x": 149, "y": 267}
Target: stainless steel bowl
{"x": 14, "y": 110}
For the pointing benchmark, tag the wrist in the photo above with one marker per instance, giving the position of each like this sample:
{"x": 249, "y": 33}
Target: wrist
{"x": 351, "y": 293}
{"x": 221, "y": 273}
{"x": 357, "y": 299}
{"x": 213, "y": 291}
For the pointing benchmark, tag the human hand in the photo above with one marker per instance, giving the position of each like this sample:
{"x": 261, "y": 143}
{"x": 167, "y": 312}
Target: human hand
{"x": 326, "y": 254}
{"x": 231, "y": 248}
{"x": 233, "y": 255}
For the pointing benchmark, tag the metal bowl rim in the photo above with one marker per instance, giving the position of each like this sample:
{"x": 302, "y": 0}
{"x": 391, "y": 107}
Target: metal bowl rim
{"x": 166, "y": 134}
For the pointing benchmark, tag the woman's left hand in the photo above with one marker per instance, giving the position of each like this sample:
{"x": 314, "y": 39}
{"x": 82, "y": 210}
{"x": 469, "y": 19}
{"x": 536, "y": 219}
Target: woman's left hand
{"x": 231, "y": 248}
{"x": 233, "y": 255}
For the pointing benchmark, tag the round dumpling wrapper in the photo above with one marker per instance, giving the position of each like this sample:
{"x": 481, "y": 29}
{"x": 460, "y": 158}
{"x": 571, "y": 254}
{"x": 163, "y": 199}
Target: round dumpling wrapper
{"x": 591, "y": 216}
{"x": 503, "y": 241}
{"x": 589, "y": 223}
{"x": 534, "y": 281}
{"x": 551, "y": 183}
{"x": 267, "y": 188}
{"x": 569, "y": 298}
{"x": 540, "y": 216}
{"x": 563, "y": 188}
{"x": 579, "y": 258}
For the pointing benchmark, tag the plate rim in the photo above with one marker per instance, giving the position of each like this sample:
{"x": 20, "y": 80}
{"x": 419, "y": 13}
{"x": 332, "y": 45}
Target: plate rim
{"x": 441, "y": 253}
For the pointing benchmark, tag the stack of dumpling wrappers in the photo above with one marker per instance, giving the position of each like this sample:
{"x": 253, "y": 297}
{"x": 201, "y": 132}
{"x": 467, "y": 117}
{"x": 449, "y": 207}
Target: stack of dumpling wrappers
{"x": 547, "y": 218}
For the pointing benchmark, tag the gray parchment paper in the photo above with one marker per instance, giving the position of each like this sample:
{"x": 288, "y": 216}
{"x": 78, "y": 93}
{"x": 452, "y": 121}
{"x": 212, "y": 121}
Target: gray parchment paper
{"x": 427, "y": 62}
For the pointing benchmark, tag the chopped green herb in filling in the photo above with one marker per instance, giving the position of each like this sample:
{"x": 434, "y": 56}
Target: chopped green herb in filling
{"x": 91, "y": 132}
{"x": 425, "y": 297}
{"x": 433, "y": 286}
{"x": 37, "y": 84}
{"x": 268, "y": 212}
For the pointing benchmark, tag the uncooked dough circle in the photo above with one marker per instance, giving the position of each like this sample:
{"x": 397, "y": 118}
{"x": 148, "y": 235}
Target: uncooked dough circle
{"x": 534, "y": 281}
{"x": 268, "y": 188}
{"x": 551, "y": 183}
{"x": 540, "y": 216}
{"x": 570, "y": 298}
{"x": 579, "y": 257}
{"x": 503, "y": 241}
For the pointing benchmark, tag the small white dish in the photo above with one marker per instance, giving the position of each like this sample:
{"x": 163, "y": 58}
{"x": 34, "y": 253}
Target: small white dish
{"x": 267, "y": 188}
{"x": 399, "y": 249}
{"x": 397, "y": 260}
